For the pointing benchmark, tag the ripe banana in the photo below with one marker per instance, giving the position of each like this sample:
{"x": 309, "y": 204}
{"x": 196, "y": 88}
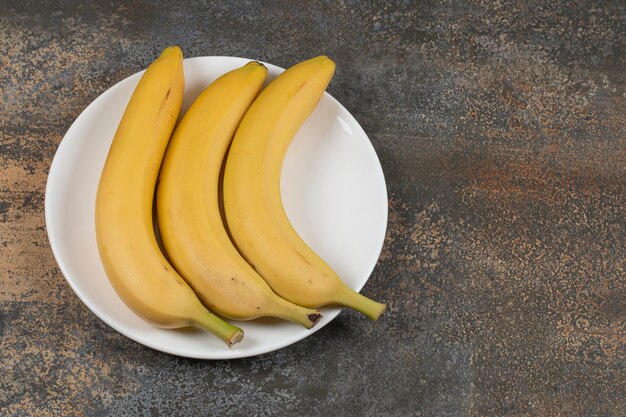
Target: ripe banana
{"x": 137, "y": 269}
{"x": 254, "y": 211}
{"x": 192, "y": 229}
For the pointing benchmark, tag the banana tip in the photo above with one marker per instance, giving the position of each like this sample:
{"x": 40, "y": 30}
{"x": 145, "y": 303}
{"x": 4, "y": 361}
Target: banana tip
{"x": 175, "y": 50}
{"x": 315, "y": 317}
{"x": 256, "y": 63}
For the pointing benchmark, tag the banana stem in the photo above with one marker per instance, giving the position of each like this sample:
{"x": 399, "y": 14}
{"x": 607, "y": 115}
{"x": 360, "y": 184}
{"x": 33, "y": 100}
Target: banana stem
{"x": 227, "y": 332}
{"x": 358, "y": 302}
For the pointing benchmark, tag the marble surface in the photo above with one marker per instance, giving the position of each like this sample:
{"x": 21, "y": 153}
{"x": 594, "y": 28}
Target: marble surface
{"x": 501, "y": 129}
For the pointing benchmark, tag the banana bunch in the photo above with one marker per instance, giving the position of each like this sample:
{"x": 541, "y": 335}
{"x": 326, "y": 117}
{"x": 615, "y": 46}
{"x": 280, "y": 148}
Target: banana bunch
{"x": 263, "y": 268}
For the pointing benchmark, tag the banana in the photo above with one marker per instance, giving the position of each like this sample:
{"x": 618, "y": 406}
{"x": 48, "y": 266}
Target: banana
{"x": 253, "y": 205}
{"x": 192, "y": 229}
{"x": 137, "y": 269}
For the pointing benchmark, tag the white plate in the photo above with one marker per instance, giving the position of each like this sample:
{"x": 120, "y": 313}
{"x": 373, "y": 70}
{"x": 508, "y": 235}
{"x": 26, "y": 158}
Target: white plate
{"x": 333, "y": 190}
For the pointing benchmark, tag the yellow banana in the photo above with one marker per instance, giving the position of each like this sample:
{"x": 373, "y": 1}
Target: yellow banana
{"x": 140, "y": 274}
{"x": 192, "y": 229}
{"x": 254, "y": 211}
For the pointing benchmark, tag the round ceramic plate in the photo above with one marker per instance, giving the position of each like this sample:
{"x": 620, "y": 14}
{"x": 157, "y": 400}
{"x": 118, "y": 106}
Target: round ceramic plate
{"x": 333, "y": 190}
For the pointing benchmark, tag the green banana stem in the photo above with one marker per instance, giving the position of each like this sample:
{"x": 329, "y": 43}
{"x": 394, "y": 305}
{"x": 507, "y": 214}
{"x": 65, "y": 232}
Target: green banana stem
{"x": 227, "y": 332}
{"x": 358, "y": 302}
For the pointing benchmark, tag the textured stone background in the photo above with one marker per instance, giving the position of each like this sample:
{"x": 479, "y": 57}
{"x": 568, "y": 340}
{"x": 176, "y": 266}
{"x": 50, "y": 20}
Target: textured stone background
{"x": 501, "y": 128}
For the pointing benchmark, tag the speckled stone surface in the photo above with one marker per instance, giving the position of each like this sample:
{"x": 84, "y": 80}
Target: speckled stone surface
{"x": 501, "y": 128}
